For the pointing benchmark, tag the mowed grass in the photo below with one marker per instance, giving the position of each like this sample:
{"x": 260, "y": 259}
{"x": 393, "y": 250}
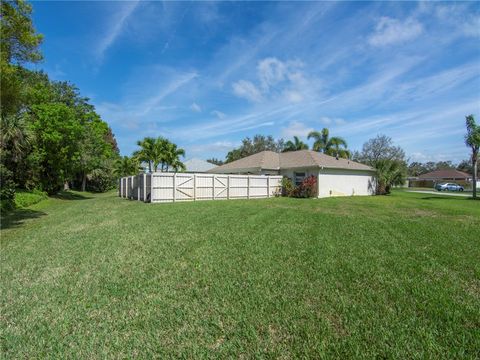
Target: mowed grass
{"x": 95, "y": 276}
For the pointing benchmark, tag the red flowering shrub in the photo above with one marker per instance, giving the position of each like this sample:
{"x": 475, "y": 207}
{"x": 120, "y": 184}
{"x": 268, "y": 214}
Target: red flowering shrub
{"x": 307, "y": 189}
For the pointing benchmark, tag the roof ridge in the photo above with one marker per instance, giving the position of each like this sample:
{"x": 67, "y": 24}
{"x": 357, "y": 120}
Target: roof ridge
{"x": 310, "y": 153}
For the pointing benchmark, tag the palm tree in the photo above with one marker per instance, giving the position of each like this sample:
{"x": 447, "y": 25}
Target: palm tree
{"x": 389, "y": 173}
{"x": 321, "y": 139}
{"x": 472, "y": 140}
{"x": 126, "y": 166}
{"x": 14, "y": 137}
{"x": 295, "y": 145}
{"x": 146, "y": 152}
{"x": 172, "y": 156}
{"x": 333, "y": 146}
{"x": 337, "y": 147}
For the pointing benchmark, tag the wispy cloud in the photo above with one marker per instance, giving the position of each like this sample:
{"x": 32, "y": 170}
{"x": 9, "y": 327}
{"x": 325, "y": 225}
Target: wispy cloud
{"x": 246, "y": 89}
{"x": 390, "y": 31}
{"x": 117, "y": 27}
{"x": 296, "y": 128}
{"x": 219, "y": 114}
{"x": 195, "y": 107}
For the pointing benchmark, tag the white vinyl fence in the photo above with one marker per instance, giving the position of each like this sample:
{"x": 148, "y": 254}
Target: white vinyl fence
{"x": 170, "y": 187}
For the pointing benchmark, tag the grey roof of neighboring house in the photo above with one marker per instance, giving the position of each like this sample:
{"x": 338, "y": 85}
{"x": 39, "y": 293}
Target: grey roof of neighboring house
{"x": 445, "y": 174}
{"x": 198, "y": 165}
{"x": 269, "y": 160}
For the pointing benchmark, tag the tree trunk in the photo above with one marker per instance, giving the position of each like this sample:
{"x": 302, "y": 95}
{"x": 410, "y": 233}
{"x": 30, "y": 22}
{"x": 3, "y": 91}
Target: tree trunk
{"x": 149, "y": 166}
{"x": 84, "y": 181}
{"x": 474, "y": 175}
{"x": 66, "y": 186}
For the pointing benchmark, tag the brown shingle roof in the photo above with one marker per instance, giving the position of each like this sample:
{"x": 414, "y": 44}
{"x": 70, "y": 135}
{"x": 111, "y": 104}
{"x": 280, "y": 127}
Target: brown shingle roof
{"x": 269, "y": 160}
{"x": 445, "y": 174}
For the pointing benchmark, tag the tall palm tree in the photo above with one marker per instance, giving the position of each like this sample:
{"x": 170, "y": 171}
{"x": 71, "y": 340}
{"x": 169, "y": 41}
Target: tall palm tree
{"x": 172, "y": 156}
{"x": 146, "y": 152}
{"x": 337, "y": 147}
{"x": 321, "y": 139}
{"x": 333, "y": 146}
{"x": 295, "y": 145}
{"x": 472, "y": 140}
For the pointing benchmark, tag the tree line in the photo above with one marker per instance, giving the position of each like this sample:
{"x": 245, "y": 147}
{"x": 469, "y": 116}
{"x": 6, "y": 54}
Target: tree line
{"x": 158, "y": 154}
{"x": 51, "y": 136}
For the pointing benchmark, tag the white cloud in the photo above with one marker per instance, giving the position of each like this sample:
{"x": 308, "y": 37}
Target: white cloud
{"x": 195, "y": 107}
{"x": 325, "y": 120}
{"x": 293, "y": 96}
{"x": 247, "y": 90}
{"x": 118, "y": 23}
{"x": 296, "y": 128}
{"x": 219, "y": 114}
{"x": 392, "y": 31}
{"x": 277, "y": 80}
{"x": 271, "y": 71}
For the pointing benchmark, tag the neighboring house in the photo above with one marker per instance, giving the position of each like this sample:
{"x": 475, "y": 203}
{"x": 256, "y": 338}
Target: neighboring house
{"x": 336, "y": 177}
{"x": 439, "y": 176}
{"x": 198, "y": 166}
{"x": 191, "y": 166}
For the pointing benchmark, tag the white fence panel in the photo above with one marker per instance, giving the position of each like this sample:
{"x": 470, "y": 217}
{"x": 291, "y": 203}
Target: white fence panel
{"x": 170, "y": 187}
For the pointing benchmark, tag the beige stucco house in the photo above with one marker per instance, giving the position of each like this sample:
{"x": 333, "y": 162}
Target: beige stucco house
{"x": 336, "y": 177}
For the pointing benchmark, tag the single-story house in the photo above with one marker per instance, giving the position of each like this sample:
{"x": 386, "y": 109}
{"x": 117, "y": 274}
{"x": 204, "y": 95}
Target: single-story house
{"x": 198, "y": 166}
{"x": 438, "y": 176}
{"x": 336, "y": 177}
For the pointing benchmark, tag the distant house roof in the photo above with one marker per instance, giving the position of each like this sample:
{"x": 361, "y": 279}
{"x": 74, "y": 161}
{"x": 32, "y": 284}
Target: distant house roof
{"x": 198, "y": 165}
{"x": 446, "y": 174}
{"x": 269, "y": 160}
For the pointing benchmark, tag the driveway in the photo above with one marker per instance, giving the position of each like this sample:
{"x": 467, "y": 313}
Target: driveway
{"x": 441, "y": 193}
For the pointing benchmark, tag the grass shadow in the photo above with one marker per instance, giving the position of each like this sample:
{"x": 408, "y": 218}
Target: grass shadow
{"x": 437, "y": 197}
{"x": 68, "y": 195}
{"x": 17, "y": 217}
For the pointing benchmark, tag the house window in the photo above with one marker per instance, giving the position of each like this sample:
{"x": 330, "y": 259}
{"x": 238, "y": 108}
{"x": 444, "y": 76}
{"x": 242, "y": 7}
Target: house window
{"x": 299, "y": 177}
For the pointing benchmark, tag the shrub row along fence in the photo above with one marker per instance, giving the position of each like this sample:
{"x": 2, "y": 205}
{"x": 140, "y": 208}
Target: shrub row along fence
{"x": 171, "y": 187}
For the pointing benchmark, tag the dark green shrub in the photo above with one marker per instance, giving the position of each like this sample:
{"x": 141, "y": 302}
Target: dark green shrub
{"x": 7, "y": 189}
{"x": 100, "y": 180}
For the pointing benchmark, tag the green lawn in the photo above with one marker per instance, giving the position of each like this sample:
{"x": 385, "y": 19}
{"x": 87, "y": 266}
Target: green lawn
{"x": 96, "y": 276}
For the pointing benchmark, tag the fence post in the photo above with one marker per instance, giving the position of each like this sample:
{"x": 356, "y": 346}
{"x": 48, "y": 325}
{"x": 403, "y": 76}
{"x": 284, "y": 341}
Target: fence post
{"x": 268, "y": 186}
{"x": 174, "y": 186}
{"x": 194, "y": 187}
{"x": 248, "y": 186}
{"x": 213, "y": 187}
{"x": 138, "y": 187}
{"x": 228, "y": 187}
{"x": 144, "y": 187}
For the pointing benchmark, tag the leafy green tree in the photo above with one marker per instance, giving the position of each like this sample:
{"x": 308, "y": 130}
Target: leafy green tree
{"x": 215, "y": 161}
{"x": 258, "y": 144}
{"x": 472, "y": 140}
{"x": 19, "y": 41}
{"x": 58, "y": 133}
{"x": 333, "y": 146}
{"x": 295, "y": 145}
{"x": 466, "y": 166}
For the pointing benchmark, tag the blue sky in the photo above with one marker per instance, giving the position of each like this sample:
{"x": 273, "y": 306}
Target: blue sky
{"x": 207, "y": 74}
